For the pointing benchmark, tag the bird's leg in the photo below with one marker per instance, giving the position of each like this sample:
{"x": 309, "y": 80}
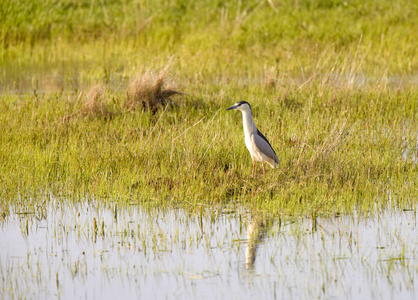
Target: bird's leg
{"x": 264, "y": 171}
{"x": 253, "y": 168}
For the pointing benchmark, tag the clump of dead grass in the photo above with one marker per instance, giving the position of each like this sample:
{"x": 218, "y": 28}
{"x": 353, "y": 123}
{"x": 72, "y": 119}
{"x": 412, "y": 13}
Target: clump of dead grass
{"x": 94, "y": 105}
{"x": 148, "y": 92}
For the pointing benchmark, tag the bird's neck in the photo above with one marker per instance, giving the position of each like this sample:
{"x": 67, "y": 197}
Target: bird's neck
{"x": 248, "y": 123}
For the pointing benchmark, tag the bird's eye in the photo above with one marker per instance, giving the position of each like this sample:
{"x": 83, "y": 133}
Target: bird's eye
{"x": 239, "y": 104}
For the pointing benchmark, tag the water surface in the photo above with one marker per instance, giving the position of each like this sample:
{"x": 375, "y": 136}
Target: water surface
{"x": 76, "y": 251}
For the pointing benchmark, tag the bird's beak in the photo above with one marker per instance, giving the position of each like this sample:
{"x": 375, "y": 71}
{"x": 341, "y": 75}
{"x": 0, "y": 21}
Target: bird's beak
{"x": 232, "y": 107}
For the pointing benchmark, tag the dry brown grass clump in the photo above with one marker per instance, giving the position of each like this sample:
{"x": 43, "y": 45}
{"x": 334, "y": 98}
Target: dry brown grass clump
{"x": 95, "y": 103}
{"x": 148, "y": 92}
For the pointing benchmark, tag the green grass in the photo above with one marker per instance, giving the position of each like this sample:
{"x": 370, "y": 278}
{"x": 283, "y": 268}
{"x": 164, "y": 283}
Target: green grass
{"x": 331, "y": 84}
{"x": 339, "y": 151}
{"x": 208, "y": 39}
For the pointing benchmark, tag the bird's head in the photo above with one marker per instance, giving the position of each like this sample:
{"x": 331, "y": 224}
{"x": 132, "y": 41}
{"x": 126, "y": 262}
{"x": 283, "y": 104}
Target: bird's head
{"x": 243, "y": 106}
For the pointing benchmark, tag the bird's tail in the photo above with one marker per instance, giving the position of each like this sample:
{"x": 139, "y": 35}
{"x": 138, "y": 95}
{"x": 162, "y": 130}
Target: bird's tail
{"x": 274, "y": 163}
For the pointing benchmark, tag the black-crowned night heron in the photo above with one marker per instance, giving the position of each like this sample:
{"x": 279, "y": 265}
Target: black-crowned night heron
{"x": 259, "y": 147}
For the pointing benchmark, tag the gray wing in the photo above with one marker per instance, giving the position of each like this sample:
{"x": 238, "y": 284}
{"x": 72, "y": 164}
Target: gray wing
{"x": 264, "y": 146}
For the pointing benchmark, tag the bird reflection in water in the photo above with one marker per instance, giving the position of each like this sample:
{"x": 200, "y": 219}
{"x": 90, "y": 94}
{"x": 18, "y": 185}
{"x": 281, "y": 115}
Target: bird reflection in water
{"x": 256, "y": 232}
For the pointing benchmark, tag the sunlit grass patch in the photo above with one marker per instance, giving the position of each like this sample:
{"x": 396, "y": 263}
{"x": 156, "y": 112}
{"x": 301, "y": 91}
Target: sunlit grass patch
{"x": 340, "y": 149}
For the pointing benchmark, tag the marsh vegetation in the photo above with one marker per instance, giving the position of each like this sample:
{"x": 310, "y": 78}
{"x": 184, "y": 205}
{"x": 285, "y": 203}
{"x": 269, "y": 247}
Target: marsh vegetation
{"x": 124, "y": 102}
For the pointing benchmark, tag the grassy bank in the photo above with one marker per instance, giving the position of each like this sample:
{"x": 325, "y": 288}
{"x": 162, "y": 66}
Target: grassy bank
{"x": 339, "y": 149}
{"x": 332, "y": 85}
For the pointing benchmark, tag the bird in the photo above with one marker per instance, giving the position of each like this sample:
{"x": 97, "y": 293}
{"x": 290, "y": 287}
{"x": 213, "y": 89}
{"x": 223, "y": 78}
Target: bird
{"x": 257, "y": 144}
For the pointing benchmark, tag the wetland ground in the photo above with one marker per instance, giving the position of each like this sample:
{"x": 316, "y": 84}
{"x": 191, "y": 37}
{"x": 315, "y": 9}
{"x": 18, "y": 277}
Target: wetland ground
{"x": 122, "y": 174}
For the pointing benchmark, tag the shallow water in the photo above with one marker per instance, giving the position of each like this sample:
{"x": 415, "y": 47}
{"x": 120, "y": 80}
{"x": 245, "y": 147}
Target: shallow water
{"x": 75, "y": 76}
{"x": 96, "y": 251}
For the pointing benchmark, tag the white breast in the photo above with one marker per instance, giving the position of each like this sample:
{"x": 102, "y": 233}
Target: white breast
{"x": 249, "y": 142}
